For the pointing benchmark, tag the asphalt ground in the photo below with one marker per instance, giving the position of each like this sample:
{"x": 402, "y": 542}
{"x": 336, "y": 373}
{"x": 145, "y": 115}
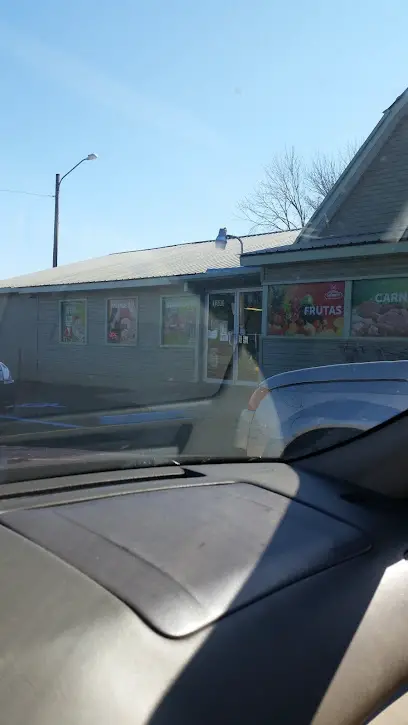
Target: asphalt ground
{"x": 100, "y": 419}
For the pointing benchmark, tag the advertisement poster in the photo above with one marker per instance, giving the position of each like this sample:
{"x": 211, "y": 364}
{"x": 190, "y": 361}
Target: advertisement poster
{"x": 122, "y": 321}
{"x": 380, "y": 308}
{"x": 220, "y": 336}
{"x": 179, "y": 321}
{"x": 73, "y": 321}
{"x": 308, "y": 310}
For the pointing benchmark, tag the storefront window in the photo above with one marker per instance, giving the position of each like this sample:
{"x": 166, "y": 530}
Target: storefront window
{"x": 306, "y": 310}
{"x": 122, "y": 321}
{"x": 179, "y": 321}
{"x": 73, "y": 321}
{"x": 380, "y": 308}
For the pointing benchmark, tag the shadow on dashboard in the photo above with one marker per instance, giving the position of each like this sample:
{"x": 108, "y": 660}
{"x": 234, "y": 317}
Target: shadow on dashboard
{"x": 276, "y": 660}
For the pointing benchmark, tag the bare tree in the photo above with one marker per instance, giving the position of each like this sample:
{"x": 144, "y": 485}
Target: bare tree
{"x": 292, "y": 189}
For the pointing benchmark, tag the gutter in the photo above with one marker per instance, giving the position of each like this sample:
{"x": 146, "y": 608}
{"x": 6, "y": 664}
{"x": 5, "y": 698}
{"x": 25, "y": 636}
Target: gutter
{"x": 210, "y": 274}
{"x": 325, "y": 254}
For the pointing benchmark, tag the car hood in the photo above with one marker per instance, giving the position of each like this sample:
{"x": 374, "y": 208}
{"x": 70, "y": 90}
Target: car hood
{"x": 382, "y": 370}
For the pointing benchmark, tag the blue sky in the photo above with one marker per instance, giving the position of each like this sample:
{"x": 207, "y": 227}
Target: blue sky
{"x": 184, "y": 102}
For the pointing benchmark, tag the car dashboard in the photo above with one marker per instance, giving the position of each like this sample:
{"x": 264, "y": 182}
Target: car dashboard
{"x": 230, "y": 593}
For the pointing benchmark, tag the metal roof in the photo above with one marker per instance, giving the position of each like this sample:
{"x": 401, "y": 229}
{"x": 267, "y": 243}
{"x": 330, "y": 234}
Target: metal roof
{"x": 329, "y": 242}
{"x": 179, "y": 260}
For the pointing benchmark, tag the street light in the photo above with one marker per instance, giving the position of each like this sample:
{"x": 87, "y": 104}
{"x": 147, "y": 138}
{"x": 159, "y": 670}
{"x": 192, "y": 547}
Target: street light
{"x": 58, "y": 180}
{"x": 223, "y": 237}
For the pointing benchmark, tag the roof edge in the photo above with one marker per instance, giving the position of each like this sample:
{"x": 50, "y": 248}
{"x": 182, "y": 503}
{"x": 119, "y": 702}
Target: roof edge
{"x": 326, "y": 253}
{"x": 355, "y": 169}
{"x": 73, "y": 287}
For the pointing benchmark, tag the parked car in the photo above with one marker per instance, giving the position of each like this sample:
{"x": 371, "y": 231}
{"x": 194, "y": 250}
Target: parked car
{"x": 7, "y": 387}
{"x": 302, "y": 410}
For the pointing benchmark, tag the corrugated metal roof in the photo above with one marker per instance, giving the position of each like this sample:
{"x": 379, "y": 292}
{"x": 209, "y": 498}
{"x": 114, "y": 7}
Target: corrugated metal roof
{"x": 179, "y": 260}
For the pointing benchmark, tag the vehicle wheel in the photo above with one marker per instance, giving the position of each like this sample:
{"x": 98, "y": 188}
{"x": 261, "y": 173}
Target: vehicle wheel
{"x": 318, "y": 440}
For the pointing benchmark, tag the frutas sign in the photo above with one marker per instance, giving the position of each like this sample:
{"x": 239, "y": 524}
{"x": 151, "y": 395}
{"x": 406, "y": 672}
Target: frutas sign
{"x": 309, "y": 310}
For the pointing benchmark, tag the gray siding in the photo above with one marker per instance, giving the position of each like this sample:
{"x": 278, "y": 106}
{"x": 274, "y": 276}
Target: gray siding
{"x": 19, "y": 334}
{"x": 380, "y": 198}
{"x": 279, "y": 355}
{"x": 335, "y": 270}
{"x": 30, "y": 332}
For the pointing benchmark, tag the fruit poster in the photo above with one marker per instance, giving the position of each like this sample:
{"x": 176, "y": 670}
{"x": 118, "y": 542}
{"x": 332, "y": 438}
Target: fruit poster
{"x": 306, "y": 310}
{"x": 380, "y": 308}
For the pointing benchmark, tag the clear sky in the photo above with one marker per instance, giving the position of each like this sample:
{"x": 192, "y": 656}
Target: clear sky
{"x": 183, "y": 101}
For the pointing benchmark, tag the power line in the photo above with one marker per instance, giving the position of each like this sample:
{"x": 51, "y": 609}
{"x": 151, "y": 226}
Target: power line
{"x": 27, "y": 193}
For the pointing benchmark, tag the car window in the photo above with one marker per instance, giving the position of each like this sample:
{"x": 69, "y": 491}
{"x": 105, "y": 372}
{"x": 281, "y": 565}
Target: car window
{"x": 197, "y": 201}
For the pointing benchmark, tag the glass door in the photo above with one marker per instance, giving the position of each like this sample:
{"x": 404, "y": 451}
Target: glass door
{"x": 249, "y": 304}
{"x": 234, "y": 326}
{"x": 221, "y": 336}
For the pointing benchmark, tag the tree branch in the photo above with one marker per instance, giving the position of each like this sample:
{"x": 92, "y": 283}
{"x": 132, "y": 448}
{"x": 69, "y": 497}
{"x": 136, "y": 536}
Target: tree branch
{"x": 292, "y": 190}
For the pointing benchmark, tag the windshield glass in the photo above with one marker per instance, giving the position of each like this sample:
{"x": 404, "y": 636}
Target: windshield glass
{"x": 205, "y": 244}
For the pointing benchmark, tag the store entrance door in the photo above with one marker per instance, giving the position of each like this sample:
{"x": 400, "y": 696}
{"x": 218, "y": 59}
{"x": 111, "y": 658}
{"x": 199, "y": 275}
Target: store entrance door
{"x": 234, "y": 325}
{"x": 249, "y": 336}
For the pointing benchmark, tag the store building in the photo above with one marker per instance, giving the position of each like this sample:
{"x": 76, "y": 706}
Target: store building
{"x": 184, "y": 313}
{"x": 340, "y": 292}
{"x": 335, "y": 292}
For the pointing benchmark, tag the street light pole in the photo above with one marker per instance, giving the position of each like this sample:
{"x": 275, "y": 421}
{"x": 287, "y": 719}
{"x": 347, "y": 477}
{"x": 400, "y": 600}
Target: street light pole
{"x": 56, "y": 221}
{"x": 223, "y": 237}
{"x": 58, "y": 180}
{"x": 233, "y": 236}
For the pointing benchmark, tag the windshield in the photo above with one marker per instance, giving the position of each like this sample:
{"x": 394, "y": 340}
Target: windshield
{"x": 205, "y": 245}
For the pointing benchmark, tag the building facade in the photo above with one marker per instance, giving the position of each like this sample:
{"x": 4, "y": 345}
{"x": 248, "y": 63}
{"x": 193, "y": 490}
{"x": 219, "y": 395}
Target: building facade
{"x": 340, "y": 292}
{"x": 335, "y": 292}
{"x": 76, "y": 325}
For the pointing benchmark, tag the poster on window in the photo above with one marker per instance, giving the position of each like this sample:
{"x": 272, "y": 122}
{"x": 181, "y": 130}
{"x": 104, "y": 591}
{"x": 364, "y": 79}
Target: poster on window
{"x": 73, "y": 321}
{"x": 179, "y": 321}
{"x": 380, "y": 308}
{"x": 122, "y": 321}
{"x": 308, "y": 310}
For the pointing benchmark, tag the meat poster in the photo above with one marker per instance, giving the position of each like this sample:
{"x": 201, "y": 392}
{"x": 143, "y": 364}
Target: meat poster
{"x": 380, "y": 308}
{"x": 309, "y": 310}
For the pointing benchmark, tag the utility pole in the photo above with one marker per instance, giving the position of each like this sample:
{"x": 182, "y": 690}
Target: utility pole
{"x": 56, "y": 221}
{"x": 58, "y": 180}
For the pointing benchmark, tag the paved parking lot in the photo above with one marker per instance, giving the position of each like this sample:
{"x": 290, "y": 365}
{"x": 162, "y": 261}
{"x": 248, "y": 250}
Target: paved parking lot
{"x": 55, "y": 410}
